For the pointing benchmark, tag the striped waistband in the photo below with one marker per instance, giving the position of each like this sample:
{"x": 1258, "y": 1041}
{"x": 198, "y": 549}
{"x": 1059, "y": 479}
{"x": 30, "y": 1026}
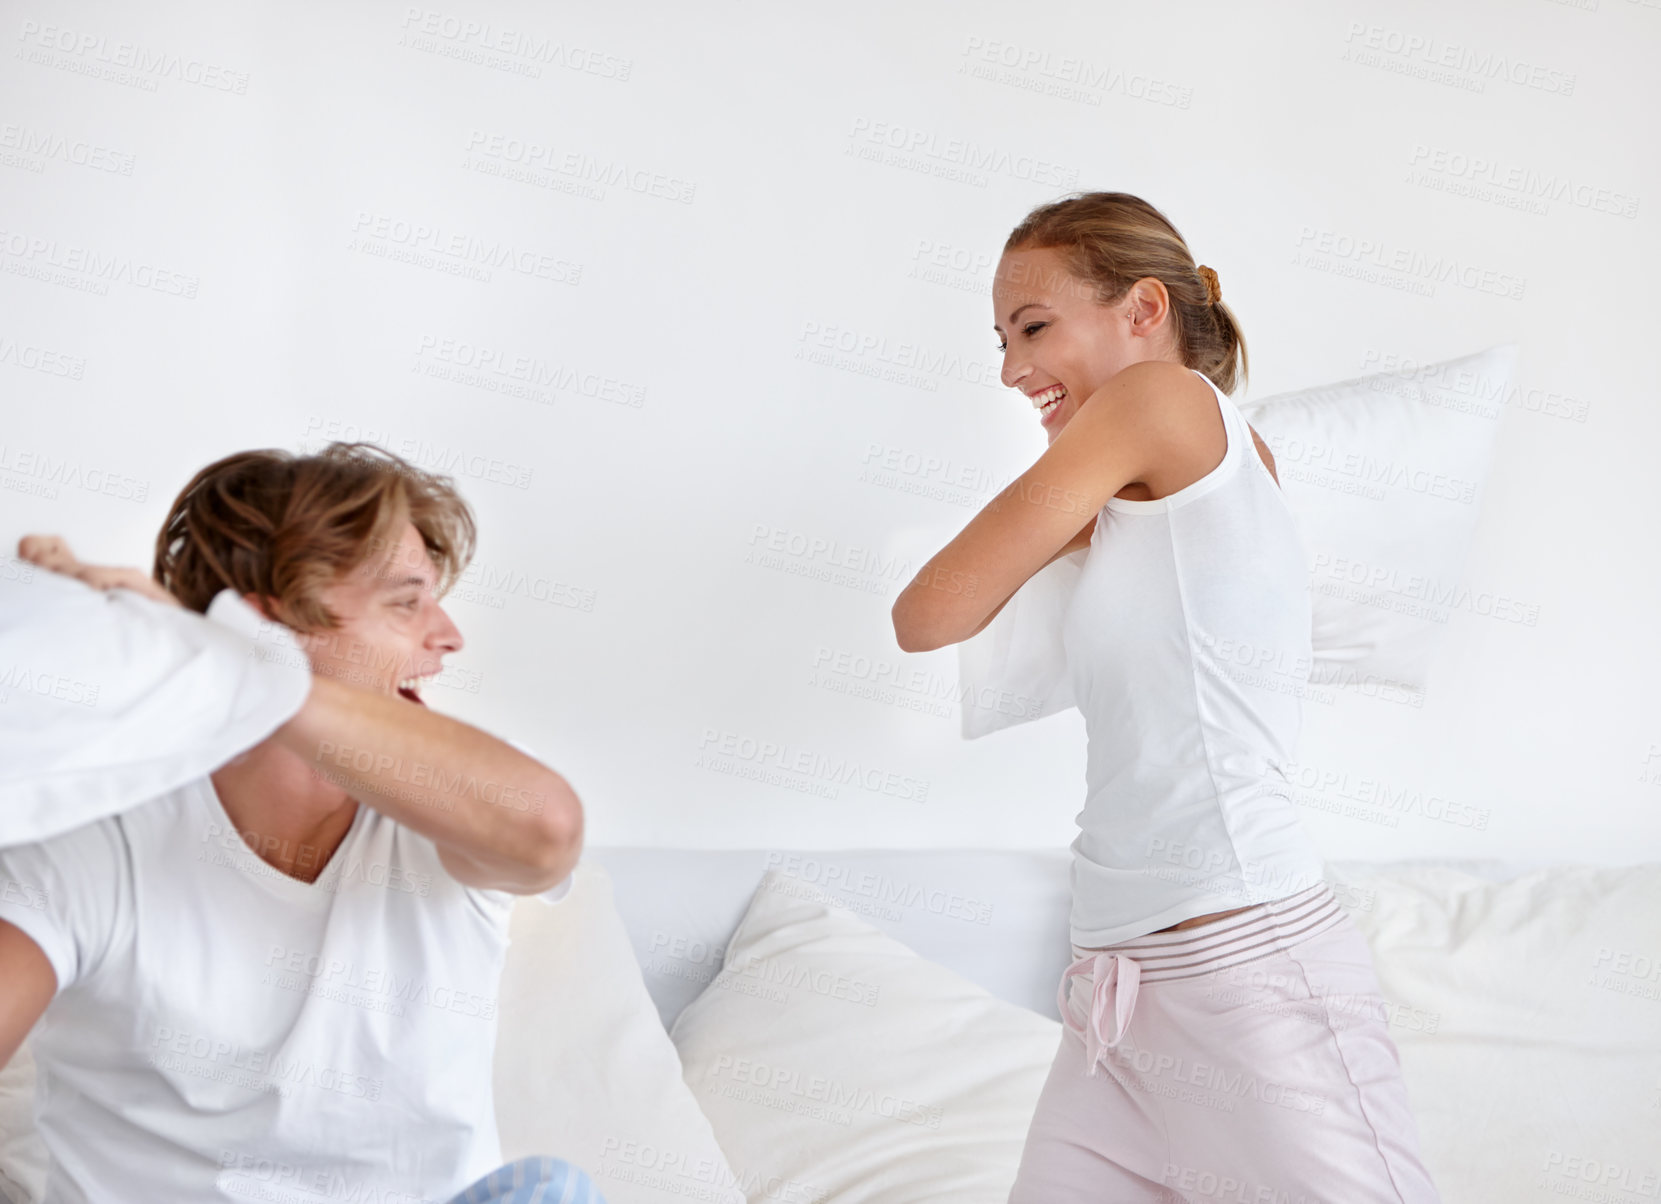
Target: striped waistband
{"x": 1260, "y": 931}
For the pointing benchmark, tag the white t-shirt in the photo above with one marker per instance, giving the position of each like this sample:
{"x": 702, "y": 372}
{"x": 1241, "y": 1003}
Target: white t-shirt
{"x": 225, "y": 1032}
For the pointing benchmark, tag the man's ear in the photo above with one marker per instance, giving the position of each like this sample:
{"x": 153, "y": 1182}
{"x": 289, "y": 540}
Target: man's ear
{"x": 267, "y": 607}
{"x": 260, "y": 604}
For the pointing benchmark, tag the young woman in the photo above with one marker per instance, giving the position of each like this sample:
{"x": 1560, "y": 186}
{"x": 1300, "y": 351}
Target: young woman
{"x": 1224, "y": 1034}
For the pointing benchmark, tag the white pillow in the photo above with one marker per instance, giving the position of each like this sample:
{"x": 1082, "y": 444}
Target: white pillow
{"x": 1015, "y": 669}
{"x": 584, "y": 1070}
{"x": 1384, "y": 477}
{"x": 836, "y": 1064}
{"x": 1528, "y": 1017}
{"x": 113, "y": 698}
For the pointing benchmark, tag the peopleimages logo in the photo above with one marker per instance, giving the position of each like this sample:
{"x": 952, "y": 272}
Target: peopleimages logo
{"x": 1401, "y": 266}
{"x": 579, "y": 168}
{"x": 41, "y": 472}
{"x": 958, "y": 153}
{"x": 46, "y": 144}
{"x": 831, "y": 879}
{"x": 534, "y": 48}
{"x": 1445, "y": 62}
{"x": 1522, "y": 180}
{"x": 102, "y": 55}
{"x": 382, "y": 233}
{"x": 48, "y": 258}
{"x": 375, "y": 987}
{"x": 721, "y": 749}
{"x": 873, "y": 354}
{"x": 1065, "y": 76}
{"x": 790, "y": 1081}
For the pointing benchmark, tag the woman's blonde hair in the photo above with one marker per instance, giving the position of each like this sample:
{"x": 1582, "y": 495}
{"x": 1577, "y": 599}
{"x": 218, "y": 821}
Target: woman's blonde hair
{"x": 285, "y": 526}
{"x": 1112, "y": 240}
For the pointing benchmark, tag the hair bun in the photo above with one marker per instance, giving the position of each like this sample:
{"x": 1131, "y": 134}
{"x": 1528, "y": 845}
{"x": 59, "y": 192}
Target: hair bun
{"x": 1213, "y": 287}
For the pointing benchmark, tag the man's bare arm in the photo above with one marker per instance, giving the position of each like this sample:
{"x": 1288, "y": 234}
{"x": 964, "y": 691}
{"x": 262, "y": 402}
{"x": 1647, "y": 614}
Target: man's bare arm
{"x": 30, "y": 982}
{"x": 501, "y": 819}
{"x": 53, "y": 553}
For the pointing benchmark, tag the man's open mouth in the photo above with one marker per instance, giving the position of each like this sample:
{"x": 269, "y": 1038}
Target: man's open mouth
{"x": 410, "y": 688}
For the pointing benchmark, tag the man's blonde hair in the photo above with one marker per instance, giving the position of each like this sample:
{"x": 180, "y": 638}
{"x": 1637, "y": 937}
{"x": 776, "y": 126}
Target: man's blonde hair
{"x": 285, "y": 526}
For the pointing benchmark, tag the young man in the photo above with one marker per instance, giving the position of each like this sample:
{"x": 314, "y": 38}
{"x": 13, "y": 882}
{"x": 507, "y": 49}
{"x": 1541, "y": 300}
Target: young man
{"x": 277, "y": 979}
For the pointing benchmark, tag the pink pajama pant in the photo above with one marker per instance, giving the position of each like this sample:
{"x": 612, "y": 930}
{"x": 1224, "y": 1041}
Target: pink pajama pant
{"x": 1244, "y": 1061}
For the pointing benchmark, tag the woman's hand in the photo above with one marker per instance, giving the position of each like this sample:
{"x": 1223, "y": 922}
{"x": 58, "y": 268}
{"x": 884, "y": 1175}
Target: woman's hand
{"x": 52, "y": 552}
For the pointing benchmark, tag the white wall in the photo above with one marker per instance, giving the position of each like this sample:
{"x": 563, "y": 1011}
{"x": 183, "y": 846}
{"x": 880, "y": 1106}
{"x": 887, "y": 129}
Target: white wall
{"x": 207, "y": 215}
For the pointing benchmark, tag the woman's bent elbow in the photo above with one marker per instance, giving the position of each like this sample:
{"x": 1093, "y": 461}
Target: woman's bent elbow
{"x": 561, "y": 836}
{"x": 910, "y": 634}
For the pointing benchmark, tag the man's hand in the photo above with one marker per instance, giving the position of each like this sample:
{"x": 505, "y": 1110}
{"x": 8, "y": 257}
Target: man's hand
{"x": 52, "y": 552}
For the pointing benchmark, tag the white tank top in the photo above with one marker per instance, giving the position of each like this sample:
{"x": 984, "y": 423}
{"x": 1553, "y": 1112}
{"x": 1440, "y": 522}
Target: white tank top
{"x": 1188, "y": 645}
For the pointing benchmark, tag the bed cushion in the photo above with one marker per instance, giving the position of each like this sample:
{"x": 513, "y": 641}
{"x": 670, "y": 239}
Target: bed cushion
{"x": 1528, "y": 1018}
{"x": 22, "y": 1152}
{"x": 584, "y": 1070}
{"x": 837, "y": 1064}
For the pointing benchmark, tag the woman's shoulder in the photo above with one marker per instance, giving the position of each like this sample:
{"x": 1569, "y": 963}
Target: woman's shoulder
{"x": 1177, "y": 413}
{"x": 1165, "y": 396}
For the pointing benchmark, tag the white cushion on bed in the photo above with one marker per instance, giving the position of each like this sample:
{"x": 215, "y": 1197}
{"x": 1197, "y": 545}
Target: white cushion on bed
{"x": 1384, "y": 475}
{"x": 584, "y": 1070}
{"x": 22, "y": 1152}
{"x": 836, "y": 1064}
{"x": 1528, "y": 1017}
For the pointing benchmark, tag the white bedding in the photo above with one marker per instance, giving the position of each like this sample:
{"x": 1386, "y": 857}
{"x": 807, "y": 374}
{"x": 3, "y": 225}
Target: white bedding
{"x": 1526, "y": 1008}
{"x": 1525, "y": 999}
